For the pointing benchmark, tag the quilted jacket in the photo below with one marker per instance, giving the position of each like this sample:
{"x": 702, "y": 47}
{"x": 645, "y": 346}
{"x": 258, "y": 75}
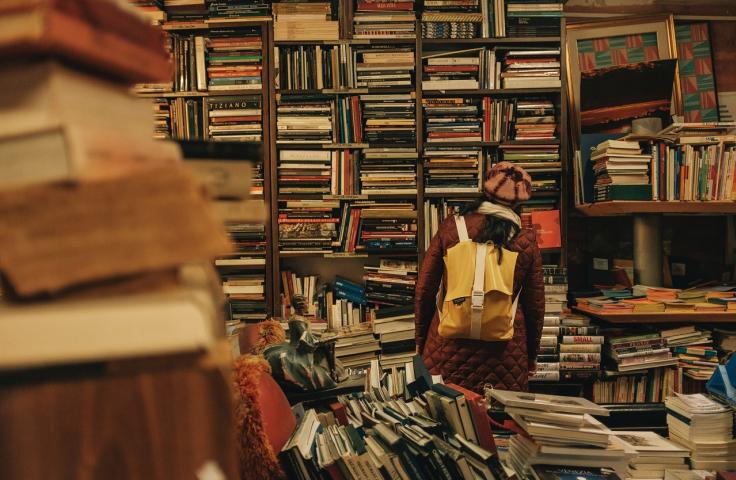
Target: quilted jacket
{"x": 473, "y": 363}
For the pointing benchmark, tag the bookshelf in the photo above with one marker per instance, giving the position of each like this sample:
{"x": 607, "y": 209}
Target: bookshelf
{"x": 350, "y": 264}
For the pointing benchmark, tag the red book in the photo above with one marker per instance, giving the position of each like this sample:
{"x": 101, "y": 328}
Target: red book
{"x": 480, "y": 417}
{"x": 341, "y": 415}
{"x": 547, "y": 225}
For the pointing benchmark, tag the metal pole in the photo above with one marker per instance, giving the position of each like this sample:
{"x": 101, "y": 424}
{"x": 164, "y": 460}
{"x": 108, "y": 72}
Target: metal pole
{"x": 648, "y": 249}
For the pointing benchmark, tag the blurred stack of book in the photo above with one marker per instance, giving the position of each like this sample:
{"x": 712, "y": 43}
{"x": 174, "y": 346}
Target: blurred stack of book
{"x": 706, "y": 428}
{"x": 531, "y": 68}
{"x": 654, "y": 454}
{"x": 187, "y": 119}
{"x": 383, "y": 66}
{"x": 725, "y": 340}
{"x": 234, "y": 60}
{"x": 162, "y": 117}
{"x": 304, "y": 119}
{"x": 560, "y": 431}
{"x": 452, "y": 169}
{"x": 384, "y": 19}
{"x": 395, "y": 329}
{"x": 307, "y": 226}
{"x": 151, "y": 9}
{"x": 548, "y": 357}
{"x": 621, "y": 171}
{"x": 387, "y": 227}
{"x": 452, "y": 120}
{"x": 389, "y": 119}
{"x": 533, "y": 18}
{"x": 304, "y": 21}
{"x": 534, "y": 120}
{"x": 358, "y": 347}
{"x": 233, "y": 119}
{"x": 388, "y": 171}
{"x": 185, "y": 14}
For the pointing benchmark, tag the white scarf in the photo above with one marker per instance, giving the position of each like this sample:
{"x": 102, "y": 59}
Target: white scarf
{"x": 500, "y": 211}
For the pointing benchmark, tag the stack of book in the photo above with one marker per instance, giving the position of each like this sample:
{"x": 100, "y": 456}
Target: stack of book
{"x": 531, "y": 68}
{"x": 294, "y": 284}
{"x": 452, "y": 169}
{"x": 305, "y": 171}
{"x": 391, "y": 283}
{"x": 384, "y": 19}
{"x": 307, "y": 226}
{"x": 245, "y": 295}
{"x": 388, "y": 171}
{"x": 423, "y": 430}
{"x": 542, "y": 162}
{"x": 389, "y": 119}
{"x": 151, "y": 9}
{"x": 580, "y": 348}
{"x": 560, "y": 431}
{"x": 186, "y": 14}
{"x": 725, "y": 340}
{"x": 642, "y": 386}
{"x": 189, "y": 63}
{"x": 186, "y": 119}
{"x": 234, "y": 119}
{"x": 162, "y": 119}
{"x": 348, "y": 118}
{"x": 313, "y": 67}
{"x": 534, "y": 120}
{"x": 696, "y": 356}
{"x": 387, "y": 227}
{"x": 639, "y": 352}
{"x": 548, "y": 357}
{"x": 498, "y": 118}
{"x": 654, "y": 454}
{"x": 555, "y": 288}
{"x": 234, "y": 61}
{"x": 452, "y": 120}
{"x": 621, "y": 171}
{"x": 452, "y": 70}
{"x": 452, "y": 19}
{"x": 304, "y": 21}
{"x": 220, "y": 11}
{"x": 705, "y": 427}
{"x": 304, "y": 120}
{"x": 384, "y": 66}
{"x": 533, "y": 18}
{"x": 394, "y": 327}
{"x": 249, "y": 241}
{"x": 356, "y": 349}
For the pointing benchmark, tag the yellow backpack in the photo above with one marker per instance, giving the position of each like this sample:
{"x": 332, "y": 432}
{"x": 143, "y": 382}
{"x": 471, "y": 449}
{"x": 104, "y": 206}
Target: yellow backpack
{"x": 478, "y": 300}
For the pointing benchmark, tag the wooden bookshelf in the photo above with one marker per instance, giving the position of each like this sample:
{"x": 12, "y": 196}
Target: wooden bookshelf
{"x": 623, "y": 207}
{"x": 270, "y": 94}
{"x": 659, "y": 317}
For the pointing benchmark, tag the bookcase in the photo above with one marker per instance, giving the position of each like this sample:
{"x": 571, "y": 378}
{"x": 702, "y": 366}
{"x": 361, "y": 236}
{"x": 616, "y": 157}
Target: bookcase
{"x": 357, "y": 140}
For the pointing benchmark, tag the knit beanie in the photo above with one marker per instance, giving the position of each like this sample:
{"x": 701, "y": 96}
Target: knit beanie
{"x": 507, "y": 184}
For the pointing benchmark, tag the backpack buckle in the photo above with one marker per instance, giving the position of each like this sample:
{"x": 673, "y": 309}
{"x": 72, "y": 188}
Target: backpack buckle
{"x": 477, "y": 299}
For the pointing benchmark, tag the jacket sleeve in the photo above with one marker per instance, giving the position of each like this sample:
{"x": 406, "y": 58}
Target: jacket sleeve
{"x": 532, "y": 301}
{"x": 428, "y": 284}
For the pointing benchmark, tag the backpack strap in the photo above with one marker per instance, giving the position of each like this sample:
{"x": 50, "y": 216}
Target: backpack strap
{"x": 478, "y": 295}
{"x": 462, "y": 229}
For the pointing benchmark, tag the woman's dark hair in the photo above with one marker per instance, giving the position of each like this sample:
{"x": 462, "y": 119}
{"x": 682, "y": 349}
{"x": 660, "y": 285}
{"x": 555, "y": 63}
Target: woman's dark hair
{"x": 497, "y": 230}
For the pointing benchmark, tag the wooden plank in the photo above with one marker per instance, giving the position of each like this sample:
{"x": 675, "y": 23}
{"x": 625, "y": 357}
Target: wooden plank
{"x": 660, "y": 317}
{"x": 624, "y": 207}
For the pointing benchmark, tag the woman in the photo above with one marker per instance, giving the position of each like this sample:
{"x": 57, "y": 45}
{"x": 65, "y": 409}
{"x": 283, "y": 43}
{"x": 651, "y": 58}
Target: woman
{"x": 490, "y": 219}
